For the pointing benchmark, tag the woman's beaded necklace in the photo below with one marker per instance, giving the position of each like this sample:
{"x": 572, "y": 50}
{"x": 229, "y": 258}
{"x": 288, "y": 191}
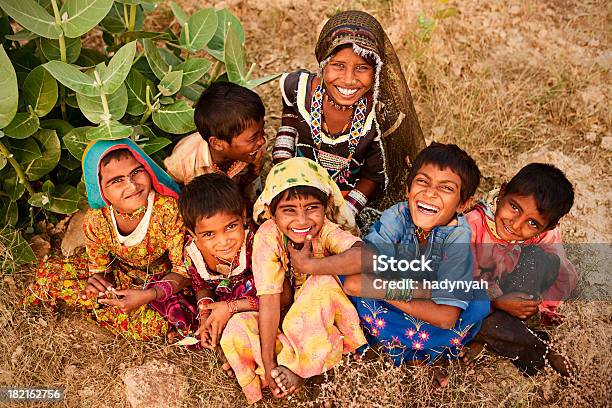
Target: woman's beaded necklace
{"x": 337, "y": 166}
{"x": 130, "y": 216}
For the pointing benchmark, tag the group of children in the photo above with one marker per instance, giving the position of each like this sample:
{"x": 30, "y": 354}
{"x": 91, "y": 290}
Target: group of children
{"x": 284, "y": 284}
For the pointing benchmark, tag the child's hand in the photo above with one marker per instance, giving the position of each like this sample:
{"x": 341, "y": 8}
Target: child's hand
{"x": 97, "y": 287}
{"x": 301, "y": 259}
{"x": 518, "y": 304}
{"x": 216, "y": 322}
{"x": 204, "y": 336}
{"x": 130, "y": 299}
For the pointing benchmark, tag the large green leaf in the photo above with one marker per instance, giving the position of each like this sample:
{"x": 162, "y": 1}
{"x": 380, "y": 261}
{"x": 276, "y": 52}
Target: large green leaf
{"x": 51, "y": 49}
{"x": 170, "y": 83}
{"x": 224, "y": 16}
{"x": 137, "y": 93}
{"x": 12, "y": 186}
{"x": 24, "y": 125}
{"x": 118, "y": 68}
{"x": 62, "y": 128}
{"x": 32, "y": 16}
{"x": 148, "y": 141}
{"x": 176, "y": 118}
{"x": 180, "y": 15}
{"x": 93, "y": 109}
{"x": 260, "y": 81}
{"x": 23, "y": 35}
{"x": 90, "y": 58}
{"x": 109, "y": 130}
{"x": 25, "y": 150}
{"x": 18, "y": 250}
{"x": 192, "y": 92}
{"x": 158, "y": 65}
{"x": 51, "y": 151}
{"x": 65, "y": 199}
{"x": 155, "y": 145}
{"x": 40, "y": 91}
{"x": 9, "y": 94}
{"x": 193, "y": 69}
{"x": 114, "y": 21}
{"x": 80, "y": 16}
{"x": 76, "y": 141}
{"x": 71, "y": 77}
{"x": 201, "y": 26}
{"x": 9, "y": 214}
{"x": 234, "y": 57}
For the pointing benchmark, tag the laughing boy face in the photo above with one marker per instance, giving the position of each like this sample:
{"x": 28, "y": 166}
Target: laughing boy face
{"x": 434, "y": 196}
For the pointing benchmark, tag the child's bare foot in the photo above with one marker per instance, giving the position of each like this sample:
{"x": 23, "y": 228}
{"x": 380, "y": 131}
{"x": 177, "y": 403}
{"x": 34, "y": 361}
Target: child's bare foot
{"x": 172, "y": 336}
{"x": 471, "y": 352}
{"x": 439, "y": 377}
{"x": 287, "y": 380}
{"x": 225, "y": 365}
{"x": 368, "y": 355}
{"x": 560, "y": 364}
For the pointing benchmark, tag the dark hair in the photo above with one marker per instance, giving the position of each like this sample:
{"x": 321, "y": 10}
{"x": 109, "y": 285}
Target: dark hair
{"x": 207, "y": 195}
{"x": 115, "y": 155}
{"x": 552, "y": 191}
{"x": 225, "y": 110}
{"x": 298, "y": 192}
{"x": 449, "y": 156}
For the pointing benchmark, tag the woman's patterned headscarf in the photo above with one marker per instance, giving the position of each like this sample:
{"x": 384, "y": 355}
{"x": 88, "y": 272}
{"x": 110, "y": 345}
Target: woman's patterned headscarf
{"x": 97, "y": 149}
{"x": 396, "y": 118}
{"x": 300, "y": 171}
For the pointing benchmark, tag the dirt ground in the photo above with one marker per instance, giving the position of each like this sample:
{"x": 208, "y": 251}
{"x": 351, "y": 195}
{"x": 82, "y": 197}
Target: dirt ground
{"x": 509, "y": 81}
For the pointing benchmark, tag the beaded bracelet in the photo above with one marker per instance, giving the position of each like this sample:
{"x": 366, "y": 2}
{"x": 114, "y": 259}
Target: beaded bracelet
{"x": 399, "y": 294}
{"x": 253, "y": 302}
{"x": 232, "y": 305}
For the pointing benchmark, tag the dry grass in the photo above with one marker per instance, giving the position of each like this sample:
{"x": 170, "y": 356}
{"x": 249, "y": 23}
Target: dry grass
{"x": 507, "y": 81}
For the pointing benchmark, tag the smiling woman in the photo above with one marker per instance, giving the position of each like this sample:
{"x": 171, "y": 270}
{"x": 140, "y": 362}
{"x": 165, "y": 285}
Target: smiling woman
{"x": 133, "y": 277}
{"x": 355, "y": 117}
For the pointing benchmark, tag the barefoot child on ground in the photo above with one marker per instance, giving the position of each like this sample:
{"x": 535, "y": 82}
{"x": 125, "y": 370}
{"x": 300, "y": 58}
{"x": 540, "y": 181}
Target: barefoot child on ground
{"x": 230, "y": 138}
{"x": 132, "y": 279}
{"x": 217, "y": 253}
{"x": 321, "y": 324}
{"x": 416, "y": 324}
{"x": 518, "y": 251}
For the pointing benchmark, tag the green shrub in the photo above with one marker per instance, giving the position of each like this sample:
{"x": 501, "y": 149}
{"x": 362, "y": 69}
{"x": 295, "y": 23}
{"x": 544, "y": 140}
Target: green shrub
{"x": 56, "y": 96}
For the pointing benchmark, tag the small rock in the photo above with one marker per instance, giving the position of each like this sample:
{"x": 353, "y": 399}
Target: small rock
{"x": 10, "y": 282}
{"x": 590, "y": 137}
{"x": 74, "y": 238}
{"x": 16, "y": 355}
{"x": 155, "y": 384}
{"x": 606, "y": 143}
{"x": 514, "y": 10}
{"x": 40, "y": 245}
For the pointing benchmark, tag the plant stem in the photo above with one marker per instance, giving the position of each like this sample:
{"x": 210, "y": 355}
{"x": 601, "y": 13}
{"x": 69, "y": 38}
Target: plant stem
{"x": 62, "y": 44}
{"x": 132, "y": 23}
{"x": 145, "y": 116}
{"x": 4, "y": 151}
{"x": 126, "y": 20}
{"x": 62, "y": 91}
{"x": 104, "y": 103}
{"x": 187, "y": 39}
{"x": 58, "y": 18}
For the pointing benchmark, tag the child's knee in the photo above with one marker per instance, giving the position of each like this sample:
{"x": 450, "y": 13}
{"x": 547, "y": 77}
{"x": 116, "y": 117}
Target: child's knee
{"x": 352, "y": 285}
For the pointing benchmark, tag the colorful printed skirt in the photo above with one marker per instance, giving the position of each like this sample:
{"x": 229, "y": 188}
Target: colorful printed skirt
{"x": 59, "y": 282}
{"x": 318, "y": 329}
{"x": 405, "y": 338}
